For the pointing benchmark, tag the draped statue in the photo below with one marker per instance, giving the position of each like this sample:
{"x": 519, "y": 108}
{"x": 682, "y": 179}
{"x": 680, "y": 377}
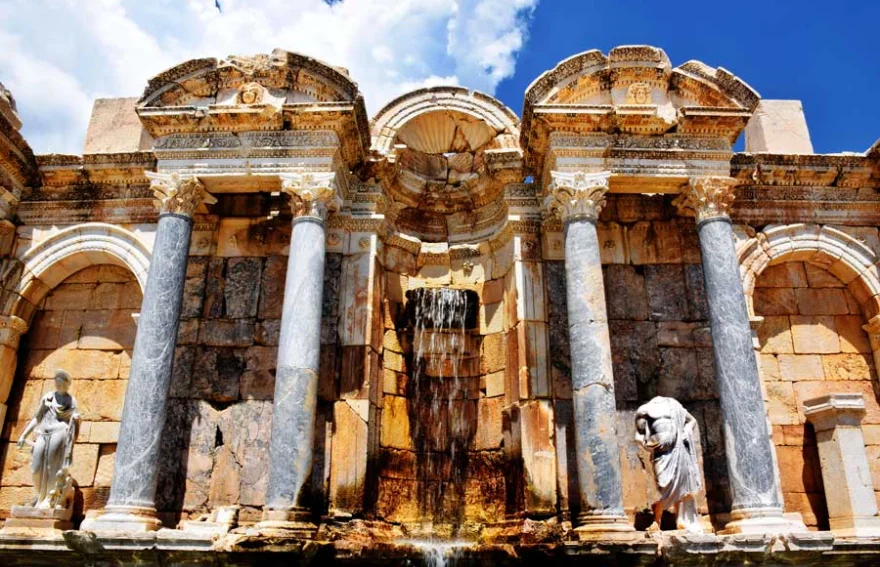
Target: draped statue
{"x": 667, "y": 430}
{"x": 56, "y": 425}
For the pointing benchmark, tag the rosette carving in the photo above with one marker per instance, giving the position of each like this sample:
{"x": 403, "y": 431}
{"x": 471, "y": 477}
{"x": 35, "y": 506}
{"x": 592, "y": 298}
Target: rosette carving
{"x": 577, "y": 195}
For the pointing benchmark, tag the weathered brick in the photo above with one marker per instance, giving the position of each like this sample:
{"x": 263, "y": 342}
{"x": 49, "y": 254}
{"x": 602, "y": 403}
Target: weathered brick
{"x": 847, "y": 366}
{"x": 798, "y": 367}
{"x": 814, "y": 334}
{"x": 775, "y": 301}
{"x": 829, "y": 301}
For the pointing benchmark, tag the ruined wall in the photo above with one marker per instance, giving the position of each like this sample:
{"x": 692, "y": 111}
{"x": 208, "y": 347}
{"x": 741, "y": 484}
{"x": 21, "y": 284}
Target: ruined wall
{"x": 812, "y": 343}
{"x": 86, "y": 327}
{"x": 217, "y": 432}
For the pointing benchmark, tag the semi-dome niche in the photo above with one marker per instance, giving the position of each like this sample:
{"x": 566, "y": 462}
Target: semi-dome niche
{"x": 449, "y": 151}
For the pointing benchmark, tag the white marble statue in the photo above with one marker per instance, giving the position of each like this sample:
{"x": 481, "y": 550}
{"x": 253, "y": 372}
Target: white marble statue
{"x": 667, "y": 430}
{"x": 56, "y": 425}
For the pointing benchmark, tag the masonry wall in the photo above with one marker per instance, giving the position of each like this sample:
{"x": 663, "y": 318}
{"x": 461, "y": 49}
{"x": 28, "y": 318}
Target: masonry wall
{"x": 812, "y": 343}
{"x": 85, "y": 326}
{"x": 217, "y": 431}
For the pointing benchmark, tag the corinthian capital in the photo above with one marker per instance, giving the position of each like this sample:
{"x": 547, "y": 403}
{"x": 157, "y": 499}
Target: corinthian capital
{"x": 311, "y": 194}
{"x": 178, "y": 194}
{"x": 706, "y": 198}
{"x": 577, "y": 196}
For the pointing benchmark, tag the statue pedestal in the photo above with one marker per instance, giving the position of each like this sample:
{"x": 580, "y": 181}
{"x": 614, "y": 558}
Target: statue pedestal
{"x": 27, "y": 520}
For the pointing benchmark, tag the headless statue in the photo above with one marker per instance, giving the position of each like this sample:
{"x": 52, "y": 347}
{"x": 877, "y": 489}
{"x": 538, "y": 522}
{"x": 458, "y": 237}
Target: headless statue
{"x": 667, "y": 430}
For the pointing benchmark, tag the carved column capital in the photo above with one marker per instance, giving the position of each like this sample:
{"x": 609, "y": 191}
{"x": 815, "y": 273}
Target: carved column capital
{"x": 577, "y": 195}
{"x": 178, "y": 194}
{"x": 312, "y": 195}
{"x": 706, "y": 198}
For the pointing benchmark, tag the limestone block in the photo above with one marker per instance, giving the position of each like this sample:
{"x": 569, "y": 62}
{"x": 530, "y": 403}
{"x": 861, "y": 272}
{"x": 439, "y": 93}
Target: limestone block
{"x": 635, "y": 358}
{"x": 786, "y": 274}
{"x": 539, "y": 457}
{"x": 494, "y": 384}
{"x": 106, "y": 462}
{"x": 852, "y": 337}
{"x": 8, "y": 363}
{"x": 188, "y": 332}
{"x": 103, "y": 432}
{"x": 822, "y": 301}
{"x": 814, "y": 334}
{"x": 107, "y": 330}
{"x": 215, "y": 285}
{"x": 84, "y": 463}
{"x": 227, "y": 332}
{"x": 242, "y": 290}
{"x": 266, "y": 332}
{"x": 775, "y": 301}
{"x": 348, "y": 459}
{"x": 395, "y": 423}
{"x": 654, "y": 243}
{"x": 13, "y": 496}
{"x": 359, "y": 373}
{"x": 612, "y": 243}
{"x": 356, "y": 299}
{"x": 666, "y": 301}
{"x": 778, "y": 127}
{"x": 493, "y": 353}
{"x": 781, "y": 403}
{"x": 489, "y": 433}
{"x": 225, "y": 487}
{"x": 217, "y": 374}
{"x": 769, "y": 367}
{"x": 625, "y": 293}
{"x": 100, "y": 400}
{"x": 272, "y": 287}
{"x": 847, "y": 366}
{"x": 533, "y": 365}
{"x": 16, "y": 465}
{"x": 797, "y": 367}
{"x": 114, "y": 127}
{"x": 491, "y": 318}
{"x": 774, "y": 335}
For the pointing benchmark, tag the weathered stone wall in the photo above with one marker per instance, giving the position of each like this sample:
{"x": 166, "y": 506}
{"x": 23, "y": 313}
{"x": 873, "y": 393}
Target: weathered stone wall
{"x": 85, "y": 327}
{"x": 217, "y": 432}
{"x": 812, "y": 343}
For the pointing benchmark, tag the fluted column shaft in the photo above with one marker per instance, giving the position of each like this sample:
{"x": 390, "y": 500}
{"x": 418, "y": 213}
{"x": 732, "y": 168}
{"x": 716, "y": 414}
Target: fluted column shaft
{"x": 753, "y": 480}
{"x": 577, "y": 199}
{"x": 135, "y": 473}
{"x": 313, "y": 196}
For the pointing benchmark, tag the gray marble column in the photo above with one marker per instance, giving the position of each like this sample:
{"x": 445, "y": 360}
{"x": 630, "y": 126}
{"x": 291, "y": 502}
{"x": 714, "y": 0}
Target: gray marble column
{"x": 752, "y": 476}
{"x": 577, "y": 198}
{"x": 313, "y": 197}
{"x": 131, "y": 506}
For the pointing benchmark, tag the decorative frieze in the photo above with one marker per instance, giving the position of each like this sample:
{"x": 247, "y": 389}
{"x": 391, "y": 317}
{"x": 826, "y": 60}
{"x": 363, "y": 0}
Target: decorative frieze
{"x": 575, "y": 196}
{"x": 178, "y": 194}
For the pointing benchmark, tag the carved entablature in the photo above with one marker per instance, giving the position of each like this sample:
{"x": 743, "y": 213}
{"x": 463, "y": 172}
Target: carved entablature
{"x": 18, "y": 167}
{"x": 633, "y": 91}
{"x": 443, "y": 155}
{"x": 280, "y": 91}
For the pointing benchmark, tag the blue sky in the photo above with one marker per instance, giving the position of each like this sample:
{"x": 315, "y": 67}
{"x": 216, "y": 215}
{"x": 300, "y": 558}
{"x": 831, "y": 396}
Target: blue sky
{"x": 57, "y": 56}
{"x": 823, "y": 53}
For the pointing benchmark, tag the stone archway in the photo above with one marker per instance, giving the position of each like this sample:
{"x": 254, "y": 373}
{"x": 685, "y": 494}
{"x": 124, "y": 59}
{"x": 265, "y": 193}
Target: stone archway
{"x": 810, "y": 289}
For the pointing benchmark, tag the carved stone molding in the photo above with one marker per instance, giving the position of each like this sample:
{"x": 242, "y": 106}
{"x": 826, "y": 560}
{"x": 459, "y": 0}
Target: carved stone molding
{"x": 707, "y": 198}
{"x": 577, "y": 195}
{"x": 178, "y": 194}
{"x": 312, "y": 195}
{"x": 11, "y": 330}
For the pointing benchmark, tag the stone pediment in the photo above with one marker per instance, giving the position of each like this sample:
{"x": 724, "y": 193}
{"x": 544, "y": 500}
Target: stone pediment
{"x": 278, "y": 91}
{"x": 634, "y": 90}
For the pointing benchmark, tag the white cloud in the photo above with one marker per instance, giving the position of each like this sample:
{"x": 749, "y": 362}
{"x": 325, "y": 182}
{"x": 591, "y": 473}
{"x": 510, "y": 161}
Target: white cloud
{"x": 56, "y": 56}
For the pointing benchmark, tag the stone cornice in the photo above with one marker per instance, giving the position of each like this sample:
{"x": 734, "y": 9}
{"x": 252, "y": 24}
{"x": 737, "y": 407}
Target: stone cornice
{"x": 178, "y": 194}
{"x": 707, "y": 198}
{"x": 576, "y": 196}
{"x": 312, "y": 195}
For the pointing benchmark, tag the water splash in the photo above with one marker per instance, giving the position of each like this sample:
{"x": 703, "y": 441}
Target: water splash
{"x": 439, "y": 553}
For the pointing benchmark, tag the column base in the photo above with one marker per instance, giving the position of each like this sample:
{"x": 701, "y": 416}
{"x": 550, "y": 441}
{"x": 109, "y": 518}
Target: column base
{"x": 598, "y": 527}
{"x": 859, "y": 526}
{"x": 123, "y": 519}
{"x": 762, "y": 521}
{"x": 294, "y": 523}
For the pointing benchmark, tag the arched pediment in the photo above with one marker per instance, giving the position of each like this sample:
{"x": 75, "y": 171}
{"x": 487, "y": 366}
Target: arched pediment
{"x": 284, "y": 77}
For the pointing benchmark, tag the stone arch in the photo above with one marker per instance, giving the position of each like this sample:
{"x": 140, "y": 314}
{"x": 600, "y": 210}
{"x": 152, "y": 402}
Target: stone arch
{"x": 61, "y": 255}
{"x": 833, "y": 250}
{"x": 402, "y": 110}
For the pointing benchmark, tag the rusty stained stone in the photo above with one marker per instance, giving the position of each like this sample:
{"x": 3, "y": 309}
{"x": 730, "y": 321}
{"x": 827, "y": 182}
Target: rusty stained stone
{"x": 396, "y": 423}
{"x": 359, "y": 373}
{"x": 272, "y": 280}
{"x": 539, "y": 457}
{"x": 654, "y": 243}
{"x": 489, "y": 434}
{"x": 530, "y": 302}
{"x": 226, "y": 332}
{"x": 348, "y": 457}
{"x": 625, "y": 293}
{"x": 532, "y": 361}
{"x": 215, "y": 284}
{"x": 356, "y": 299}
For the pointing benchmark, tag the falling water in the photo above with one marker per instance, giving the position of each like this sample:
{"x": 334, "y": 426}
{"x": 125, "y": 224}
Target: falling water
{"x": 443, "y": 422}
{"x": 439, "y": 554}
